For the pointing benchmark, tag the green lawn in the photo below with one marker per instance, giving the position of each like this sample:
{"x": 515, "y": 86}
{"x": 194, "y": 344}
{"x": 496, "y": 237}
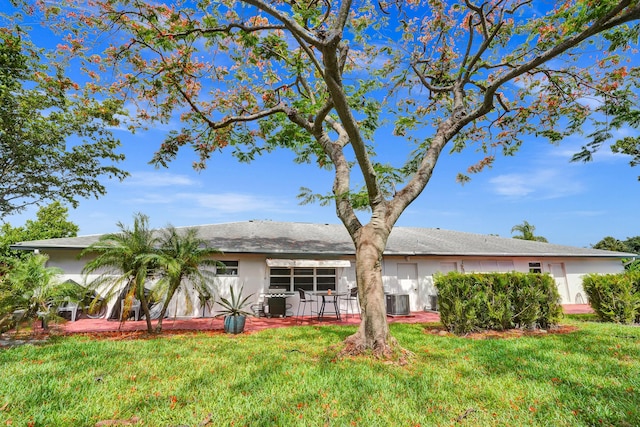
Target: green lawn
{"x": 290, "y": 376}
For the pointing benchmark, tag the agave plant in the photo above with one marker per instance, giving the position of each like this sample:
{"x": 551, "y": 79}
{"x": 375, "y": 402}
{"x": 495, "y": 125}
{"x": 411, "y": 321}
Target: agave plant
{"x": 234, "y": 306}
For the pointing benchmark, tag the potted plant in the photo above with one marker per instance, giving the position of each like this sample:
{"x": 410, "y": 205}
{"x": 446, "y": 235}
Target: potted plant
{"x": 233, "y": 311}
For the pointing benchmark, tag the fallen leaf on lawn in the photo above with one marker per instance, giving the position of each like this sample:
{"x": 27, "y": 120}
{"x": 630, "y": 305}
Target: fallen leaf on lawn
{"x": 130, "y": 421}
{"x": 206, "y": 421}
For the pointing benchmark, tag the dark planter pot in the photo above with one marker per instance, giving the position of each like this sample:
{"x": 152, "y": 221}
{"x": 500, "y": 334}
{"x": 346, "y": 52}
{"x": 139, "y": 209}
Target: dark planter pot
{"x": 234, "y": 324}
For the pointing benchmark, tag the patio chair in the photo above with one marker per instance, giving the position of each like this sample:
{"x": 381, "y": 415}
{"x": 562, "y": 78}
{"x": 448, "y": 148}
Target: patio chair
{"x": 135, "y": 308}
{"x": 350, "y": 298}
{"x": 258, "y": 309}
{"x": 303, "y": 304}
{"x": 69, "y": 306}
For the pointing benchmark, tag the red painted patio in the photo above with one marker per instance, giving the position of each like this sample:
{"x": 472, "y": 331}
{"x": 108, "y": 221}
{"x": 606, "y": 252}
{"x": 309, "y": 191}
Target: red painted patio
{"x": 256, "y": 323}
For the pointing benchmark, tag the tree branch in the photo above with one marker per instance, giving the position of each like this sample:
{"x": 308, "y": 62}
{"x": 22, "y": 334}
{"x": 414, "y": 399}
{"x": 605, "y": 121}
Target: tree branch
{"x": 480, "y": 13}
{"x": 224, "y": 29}
{"x": 341, "y": 182}
{"x": 296, "y": 29}
{"x": 334, "y": 85}
{"x": 427, "y": 84}
{"x": 231, "y": 119}
{"x": 501, "y": 101}
{"x": 322, "y": 115}
{"x": 485, "y": 44}
{"x": 599, "y": 26}
{"x": 310, "y": 54}
{"x": 452, "y": 125}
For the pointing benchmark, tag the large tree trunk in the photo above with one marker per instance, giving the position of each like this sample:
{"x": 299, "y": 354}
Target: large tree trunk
{"x": 373, "y": 333}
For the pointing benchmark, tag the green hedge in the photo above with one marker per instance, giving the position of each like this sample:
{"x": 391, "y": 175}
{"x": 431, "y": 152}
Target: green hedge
{"x": 471, "y": 302}
{"x": 614, "y": 297}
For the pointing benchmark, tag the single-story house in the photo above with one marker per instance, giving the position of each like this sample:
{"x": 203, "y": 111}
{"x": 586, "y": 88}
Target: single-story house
{"x": 267, "y": 255}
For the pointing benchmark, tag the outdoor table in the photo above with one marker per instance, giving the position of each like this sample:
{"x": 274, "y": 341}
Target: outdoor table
{"x": 326, "y": 295}
{"x": 277, "y": 302}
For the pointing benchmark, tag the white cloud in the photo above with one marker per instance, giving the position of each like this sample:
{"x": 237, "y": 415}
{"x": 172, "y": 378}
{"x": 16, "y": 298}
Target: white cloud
{"x": 625, "y": 131}
{"x": 125, "y": 119}
{"x": 564, "y": 152}
{"x": 213, "y": 204}
{"x": 227, "y": 203}
{"x": 159, "y": 179}
{"x": 511, "y": 185}
{"x": 574, "y": 144}
{"x": 151, "y": 199}
{"x": 592, "y": 102}
{"x": 541, "y": 184}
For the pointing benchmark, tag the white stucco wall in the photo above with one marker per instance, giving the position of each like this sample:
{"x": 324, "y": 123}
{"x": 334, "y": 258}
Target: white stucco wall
{"x": 422, "y": 288}
{"x": 253, "y": 275}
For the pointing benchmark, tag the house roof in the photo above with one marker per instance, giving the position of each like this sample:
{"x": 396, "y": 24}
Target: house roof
{"x": 290, "y": 238}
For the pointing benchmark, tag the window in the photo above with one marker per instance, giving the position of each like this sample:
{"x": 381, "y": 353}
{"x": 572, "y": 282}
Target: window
{"x": 535, "y": 267}
{"x": 227, "y": 268}
{"x": 308, "y": 279}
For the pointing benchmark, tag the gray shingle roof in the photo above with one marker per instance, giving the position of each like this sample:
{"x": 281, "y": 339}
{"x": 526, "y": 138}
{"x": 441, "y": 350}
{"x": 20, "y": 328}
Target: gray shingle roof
{"x": 287, "y": 238}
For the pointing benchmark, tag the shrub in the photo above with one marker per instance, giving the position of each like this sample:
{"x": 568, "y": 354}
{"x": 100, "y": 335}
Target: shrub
{"x": 470, "y": 302}
{"x": 498, "y": 302}
{"x": 459, "y": 303}
{"x": 550, "y": 308}
{"x": 614, "y": 297}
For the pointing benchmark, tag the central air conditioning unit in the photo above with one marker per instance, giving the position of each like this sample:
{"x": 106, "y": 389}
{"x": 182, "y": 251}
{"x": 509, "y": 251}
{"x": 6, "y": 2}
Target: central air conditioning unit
{"x": 398, "y": 304}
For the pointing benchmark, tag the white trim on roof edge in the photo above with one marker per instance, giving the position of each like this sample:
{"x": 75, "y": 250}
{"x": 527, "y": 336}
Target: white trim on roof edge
{"x": 332, "y": 263}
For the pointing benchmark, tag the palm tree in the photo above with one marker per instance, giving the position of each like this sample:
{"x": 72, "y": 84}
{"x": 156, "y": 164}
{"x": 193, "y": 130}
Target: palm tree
{"x": 611, "y": 244}
{"x": 183, "y": 257}
{"x": 526, "y": 231}
{"x": 124, "y": 264}
{"x": 34, "y": 289}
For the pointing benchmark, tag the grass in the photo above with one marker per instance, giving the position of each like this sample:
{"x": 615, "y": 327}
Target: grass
{"x": 291, "y": 376}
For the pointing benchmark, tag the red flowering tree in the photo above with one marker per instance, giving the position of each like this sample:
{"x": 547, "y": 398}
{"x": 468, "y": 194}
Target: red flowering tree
{"x": 319, "y": 77}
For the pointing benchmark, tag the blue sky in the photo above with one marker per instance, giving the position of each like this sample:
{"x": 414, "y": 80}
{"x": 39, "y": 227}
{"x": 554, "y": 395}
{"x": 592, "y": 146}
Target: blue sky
{"x": 568, "y": 203}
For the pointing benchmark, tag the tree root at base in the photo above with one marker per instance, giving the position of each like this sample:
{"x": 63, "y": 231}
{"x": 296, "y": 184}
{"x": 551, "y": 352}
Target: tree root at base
{"x": 388, "y": 350}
